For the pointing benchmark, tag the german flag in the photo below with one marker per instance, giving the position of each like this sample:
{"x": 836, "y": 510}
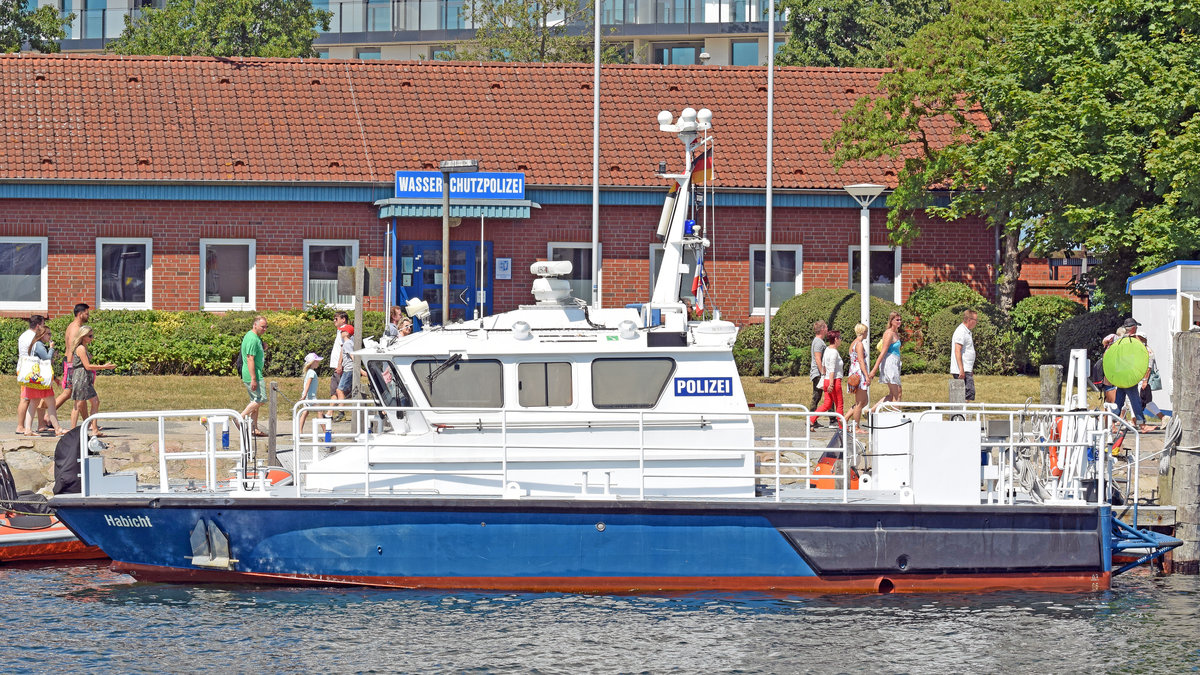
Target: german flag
{"x": 702, "y": 167}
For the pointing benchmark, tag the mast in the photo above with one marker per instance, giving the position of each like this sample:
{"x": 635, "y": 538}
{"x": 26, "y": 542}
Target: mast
{"x": 675, "y": 209}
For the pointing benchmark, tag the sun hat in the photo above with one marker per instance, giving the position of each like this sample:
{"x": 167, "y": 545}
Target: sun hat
{"x": 310, "y": 358}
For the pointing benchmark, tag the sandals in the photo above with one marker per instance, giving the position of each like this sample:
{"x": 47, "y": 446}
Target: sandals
{"x": 258, "y": 433}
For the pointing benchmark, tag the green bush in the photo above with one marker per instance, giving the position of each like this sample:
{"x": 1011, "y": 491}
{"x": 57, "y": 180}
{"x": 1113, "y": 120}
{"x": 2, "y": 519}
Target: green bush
{"x": 1035, "y": 321}
{"x": 791, "y": 327}
{"x": 932, "y": 298}
{"x": 149, "y": 342}
{"x": 995, "y": 343}
{"x": 1084, "y": 332}
{"x": 747, "y": 351}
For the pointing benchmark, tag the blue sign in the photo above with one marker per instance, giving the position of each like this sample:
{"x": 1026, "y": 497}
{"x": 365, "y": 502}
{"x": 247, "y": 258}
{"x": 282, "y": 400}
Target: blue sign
{"x": 478, "y": 185}
{"x": 704, "y": 386}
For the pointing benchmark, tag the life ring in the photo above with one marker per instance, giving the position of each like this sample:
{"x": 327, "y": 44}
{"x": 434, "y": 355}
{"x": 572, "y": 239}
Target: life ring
{"x": 1055, "y": 435}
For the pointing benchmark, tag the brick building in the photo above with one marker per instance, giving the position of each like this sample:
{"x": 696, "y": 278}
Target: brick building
{"x": 195, "y": 183}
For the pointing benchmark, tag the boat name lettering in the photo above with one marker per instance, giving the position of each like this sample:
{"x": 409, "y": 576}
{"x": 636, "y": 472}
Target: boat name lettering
{"x": 127, "y": 521}
{"x": 704, "y": 386}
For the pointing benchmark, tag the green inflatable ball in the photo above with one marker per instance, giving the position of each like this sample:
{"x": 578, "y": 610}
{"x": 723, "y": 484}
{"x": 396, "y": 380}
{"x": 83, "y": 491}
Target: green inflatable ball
{"x": 1125, "y": 362}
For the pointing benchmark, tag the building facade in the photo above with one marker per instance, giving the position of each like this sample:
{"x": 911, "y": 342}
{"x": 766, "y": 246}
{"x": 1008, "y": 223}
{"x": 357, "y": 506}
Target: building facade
{"x": 194, "y": 183}
{"x": 676, "y": 32}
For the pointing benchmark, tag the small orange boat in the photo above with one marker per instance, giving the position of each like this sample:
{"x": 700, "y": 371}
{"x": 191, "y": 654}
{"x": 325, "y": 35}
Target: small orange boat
{"x": 40, "y": 538}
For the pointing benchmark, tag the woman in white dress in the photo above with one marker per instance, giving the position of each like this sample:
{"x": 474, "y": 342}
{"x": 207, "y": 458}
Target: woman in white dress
{"x": 889, "y": 360}
{"x": 858, "y": 357}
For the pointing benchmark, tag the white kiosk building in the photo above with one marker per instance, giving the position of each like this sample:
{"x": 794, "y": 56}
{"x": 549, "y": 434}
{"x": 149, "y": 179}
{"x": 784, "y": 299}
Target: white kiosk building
{"x": 1166, "y": 300}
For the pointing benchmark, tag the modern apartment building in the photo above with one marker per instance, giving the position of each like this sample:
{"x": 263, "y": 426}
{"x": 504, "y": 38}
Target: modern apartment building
{"x": 668, "y": 32}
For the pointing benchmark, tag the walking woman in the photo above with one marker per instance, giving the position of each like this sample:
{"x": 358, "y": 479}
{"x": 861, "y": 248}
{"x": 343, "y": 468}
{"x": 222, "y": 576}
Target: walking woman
{"x": 83, "y": 390}
{"x": 858, "y": 361}
{"x": 831, "y": 381}
{"x": 889, "y": 360}
{"x": 42, "y": 347}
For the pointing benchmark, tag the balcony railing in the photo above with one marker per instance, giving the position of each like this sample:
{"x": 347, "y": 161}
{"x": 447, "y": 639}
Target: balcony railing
{"x": 359, "y": 16}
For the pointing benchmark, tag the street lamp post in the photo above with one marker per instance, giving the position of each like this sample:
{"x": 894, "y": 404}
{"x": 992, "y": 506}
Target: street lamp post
{"x": 864, "y": 194}
{"x": 448, "y": 167}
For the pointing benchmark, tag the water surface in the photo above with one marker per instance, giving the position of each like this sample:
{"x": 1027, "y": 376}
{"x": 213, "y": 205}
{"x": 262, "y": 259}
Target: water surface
{"x": 84, "y": 617}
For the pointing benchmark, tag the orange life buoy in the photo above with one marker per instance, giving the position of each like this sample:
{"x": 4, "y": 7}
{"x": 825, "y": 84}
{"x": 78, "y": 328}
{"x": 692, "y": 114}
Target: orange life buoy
{"x": 1055, "y": 435}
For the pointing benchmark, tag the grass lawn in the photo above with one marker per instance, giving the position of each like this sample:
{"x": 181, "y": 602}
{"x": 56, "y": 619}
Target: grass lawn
{"x": 171, "y": 392}
{"x": 178, "y": 392}
{"x": 926, "y": 388}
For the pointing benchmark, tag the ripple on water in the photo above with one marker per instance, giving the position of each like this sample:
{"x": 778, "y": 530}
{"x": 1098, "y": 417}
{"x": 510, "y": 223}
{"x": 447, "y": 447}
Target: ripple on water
{"x": 84, "y": 616}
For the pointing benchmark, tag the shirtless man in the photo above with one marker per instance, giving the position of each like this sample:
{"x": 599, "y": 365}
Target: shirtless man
{"x": 82, "y": 312}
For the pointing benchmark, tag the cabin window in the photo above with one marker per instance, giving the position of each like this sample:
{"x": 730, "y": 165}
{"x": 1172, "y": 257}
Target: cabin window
{"x": 385, "y": 380}
{"x": 541, "y": 385}
{"x": 454, "y": 383}
{"x": 629, "y": 383}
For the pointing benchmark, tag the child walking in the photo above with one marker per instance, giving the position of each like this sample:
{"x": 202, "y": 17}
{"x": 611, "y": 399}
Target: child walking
{"x": 309, "y": 391}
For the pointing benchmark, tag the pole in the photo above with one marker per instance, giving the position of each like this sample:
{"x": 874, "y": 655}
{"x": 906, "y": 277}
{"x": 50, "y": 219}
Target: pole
{"x": 864, "y": 272}
{"x": 445, "y": 248}
{"x": 596, "y": 10}
{"x": 1185, "y": 464}
{"x": 360, "y": 272}
{"x": 481, "y": 283}
{"x": 273, "y": 413}
{"x": 770, "y": 193}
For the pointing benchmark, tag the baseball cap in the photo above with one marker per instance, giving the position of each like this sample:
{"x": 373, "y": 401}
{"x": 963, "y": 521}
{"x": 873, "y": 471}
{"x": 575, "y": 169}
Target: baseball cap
{"x": 310, "y": 358}
{"x": 1130, "y": 323}
{"x": 347, "y": 329}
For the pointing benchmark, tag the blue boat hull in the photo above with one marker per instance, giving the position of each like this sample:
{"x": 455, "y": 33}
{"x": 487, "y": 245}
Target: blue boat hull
{"x": 612, "y": 547}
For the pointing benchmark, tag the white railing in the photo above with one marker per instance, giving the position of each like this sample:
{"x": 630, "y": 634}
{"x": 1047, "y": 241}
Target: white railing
{"x": 1037, "y": 432}
{"x": 216, "y": 422}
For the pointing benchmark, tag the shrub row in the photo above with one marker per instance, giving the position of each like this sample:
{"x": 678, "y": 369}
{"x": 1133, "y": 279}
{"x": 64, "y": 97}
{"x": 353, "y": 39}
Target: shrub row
{"x": 1040, "y": 330}
{"x": 152, "y": 342}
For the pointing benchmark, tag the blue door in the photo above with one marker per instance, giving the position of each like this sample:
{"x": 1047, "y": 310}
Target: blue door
{"x": 419, "y": 272}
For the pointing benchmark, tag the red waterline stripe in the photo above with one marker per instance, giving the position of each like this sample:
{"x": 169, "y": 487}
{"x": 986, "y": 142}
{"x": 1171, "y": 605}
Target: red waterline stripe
{"x": 46, "y": 551}
{"x": 907, "y": 583}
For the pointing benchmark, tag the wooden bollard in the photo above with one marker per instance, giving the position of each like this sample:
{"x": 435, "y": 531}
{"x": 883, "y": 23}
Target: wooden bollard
{"x": 1051, "y": 385}
{"x": 1185, "y": 464}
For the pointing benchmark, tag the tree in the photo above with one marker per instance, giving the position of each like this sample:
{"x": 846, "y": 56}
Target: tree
{"x": 851, "y": 33}
{"x": 1068, "y": 125}
{"x": 270, "y": 28}
{"x": 41, "y": 28}
{"x": 527, "y": 32}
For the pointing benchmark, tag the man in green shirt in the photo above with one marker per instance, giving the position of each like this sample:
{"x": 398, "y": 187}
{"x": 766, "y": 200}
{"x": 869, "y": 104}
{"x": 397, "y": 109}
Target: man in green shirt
{"x": 252, "y": 372}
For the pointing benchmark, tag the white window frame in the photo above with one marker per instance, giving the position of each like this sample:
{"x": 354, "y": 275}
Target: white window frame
{"x": 550, "y": 246}
{"x": 249, "y": 305}
{"x": 352, "y": 243}
{"x": 35, "y": 305}
{"x": 755, "y": 248}
{"x": 142, "y": 241}
{"x": 897, "y": 289}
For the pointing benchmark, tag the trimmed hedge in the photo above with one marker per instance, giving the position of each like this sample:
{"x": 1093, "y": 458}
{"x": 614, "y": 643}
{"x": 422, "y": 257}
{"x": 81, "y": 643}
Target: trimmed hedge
{"x": 928, "y": 300}
{"x": 995, "y": 343}
{"x": 1035, "y": 321}
{"x": 1084, "y": 332}
{"x": 151, "y": 342}
{"x": 791, "y": 329}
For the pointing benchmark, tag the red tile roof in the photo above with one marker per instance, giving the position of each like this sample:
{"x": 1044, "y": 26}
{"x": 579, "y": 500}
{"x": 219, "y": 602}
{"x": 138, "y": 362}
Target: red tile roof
{"x": 71, "y": 117}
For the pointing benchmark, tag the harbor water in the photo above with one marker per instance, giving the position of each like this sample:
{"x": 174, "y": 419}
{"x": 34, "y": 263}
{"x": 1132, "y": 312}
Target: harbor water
{"x": 83, "y": 617}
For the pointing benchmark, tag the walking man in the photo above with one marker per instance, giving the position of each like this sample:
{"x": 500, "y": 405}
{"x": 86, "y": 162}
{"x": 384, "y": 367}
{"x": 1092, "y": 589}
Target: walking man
{"x": 82, "y": 313}
{"x": 252, "y": 372}
{"x": 816, "y": 371}
{"x": 335, "y": 355}
{"x": 1135, "y": 397}
{"x": 962, "y": 358}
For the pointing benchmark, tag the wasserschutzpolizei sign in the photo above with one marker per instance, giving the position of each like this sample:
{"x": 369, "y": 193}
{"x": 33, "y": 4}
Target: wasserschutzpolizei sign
{"x": 477, "y": 185}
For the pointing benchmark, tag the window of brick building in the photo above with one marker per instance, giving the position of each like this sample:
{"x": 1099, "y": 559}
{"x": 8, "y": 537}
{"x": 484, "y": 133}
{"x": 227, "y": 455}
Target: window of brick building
{"x": 885, "y": 272}
{"x": 787, "y": 277}
{"x": 123, "y": 273}
{"x": 227, "y": 274}
{"x": 23, "y": 273}
{"x": 580, "y": 255}
{"x": 322, "y": 257}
